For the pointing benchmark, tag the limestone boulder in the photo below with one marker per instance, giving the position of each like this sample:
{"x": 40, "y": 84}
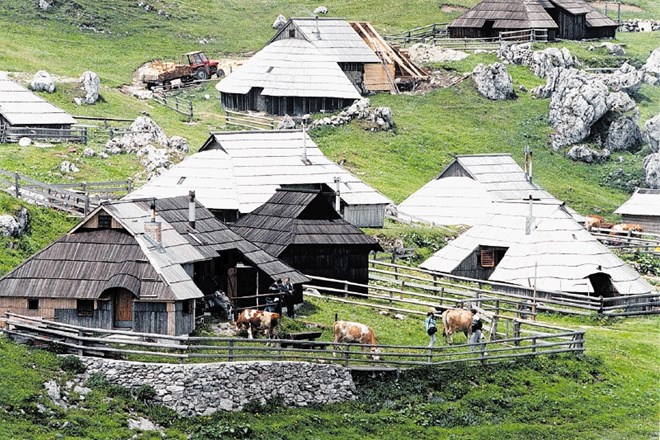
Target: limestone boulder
{"x": 583, "y": 153}
{"x": 42, "y": 82}
{"x": 15, "y": 226}
{"x": 626, "y": 78}
{"x": 91, "y": 83}
{"x": 614, "y": 49}
{"x": 67, "y": 167}
{"x": 578, "y": 101}
{"x": 494, "y": 81}
{"x": 287, "y": 123}
{"x": 652, "y": 170}
{"x": 652, "y": 128}
{"x": 544, "y": 61}
{"x": 624, "y": 134}
{"x": 279, "y": 22}
{"x": 320, "y": 10}
{"x": 652, "y": 64}
{"x": 179, "y": 144}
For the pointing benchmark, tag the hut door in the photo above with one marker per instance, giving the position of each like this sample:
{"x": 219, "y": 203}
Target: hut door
{"x": 488, "y": 29}
{"x": 123, "y": 303}
{"x": 232, "y": 282}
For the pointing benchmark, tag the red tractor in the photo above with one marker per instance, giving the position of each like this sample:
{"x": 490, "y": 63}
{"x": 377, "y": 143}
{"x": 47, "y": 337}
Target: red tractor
{"x": 194, "y": 65}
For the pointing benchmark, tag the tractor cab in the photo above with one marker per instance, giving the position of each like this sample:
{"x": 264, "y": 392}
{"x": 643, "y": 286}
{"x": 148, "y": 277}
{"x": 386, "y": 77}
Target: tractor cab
{"x": 202, "y": 67}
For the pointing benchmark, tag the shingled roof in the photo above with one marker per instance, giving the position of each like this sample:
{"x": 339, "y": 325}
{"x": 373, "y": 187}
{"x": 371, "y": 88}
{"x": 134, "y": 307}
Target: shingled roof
{"x": 294, "y": 68}
{"x": 558, "y": 252}
{"x": 296, "y": 216}
{"x": 644, "y": 201}
{"x": 84, "y": 264}
{"x": 506, "y": 14}
{"x": 20, "y": 106}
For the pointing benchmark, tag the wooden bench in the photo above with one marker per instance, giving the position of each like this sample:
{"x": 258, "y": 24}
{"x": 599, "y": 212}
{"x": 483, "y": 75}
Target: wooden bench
{"x": 306, "y": 340}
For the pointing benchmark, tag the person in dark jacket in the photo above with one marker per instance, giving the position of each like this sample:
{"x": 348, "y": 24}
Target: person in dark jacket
{"x": 287, "y": 289}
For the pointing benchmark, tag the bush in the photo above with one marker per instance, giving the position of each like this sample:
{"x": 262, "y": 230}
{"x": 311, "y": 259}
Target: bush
{"x": 73, "y": 364}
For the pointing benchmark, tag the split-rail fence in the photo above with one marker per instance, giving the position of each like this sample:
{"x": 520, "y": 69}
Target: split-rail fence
{"x": 516, "y": 339}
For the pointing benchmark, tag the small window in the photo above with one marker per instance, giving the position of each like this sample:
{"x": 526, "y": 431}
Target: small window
{"x": 33, "y": 304}
{"x": 181, "y": 180}
{"x": 270, "y": 69}
{"x": 186, "y": 309}
{"x": 105, "y": 221}
{"x": 292, "y": 33}
{"x": 85, "y": 307}
{"x": 488, "y": 258}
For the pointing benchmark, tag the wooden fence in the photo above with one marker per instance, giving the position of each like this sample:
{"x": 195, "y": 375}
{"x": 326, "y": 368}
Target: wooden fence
{"x": 646, "y": 242}
{"x": 14, "y": 134}
{"x": 72, "y": 198}
{"x": 180, "y": 105}
{"x": 437, "y": 35}
{"x": 450, "y": 289}
{"x": 249, "y": 121}
{"x": 509, "y": 339}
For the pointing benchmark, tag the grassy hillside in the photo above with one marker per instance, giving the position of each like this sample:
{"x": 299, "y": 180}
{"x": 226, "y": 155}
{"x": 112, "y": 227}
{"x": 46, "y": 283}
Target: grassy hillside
{"x": 611, "y": 393}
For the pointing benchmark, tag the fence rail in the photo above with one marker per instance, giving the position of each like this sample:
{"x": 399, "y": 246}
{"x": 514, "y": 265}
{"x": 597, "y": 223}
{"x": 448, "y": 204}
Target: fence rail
{"x": 14, "y": 134}
{"x": 179, "y": 105}
{"x": 515, "y": 339}
{"x": 249, "y": 121}
{"x": 72, "y": 198}
{"x": 648, "y": 242}
{"x": 451, "y": 288}
{"x": 437, "y": 35}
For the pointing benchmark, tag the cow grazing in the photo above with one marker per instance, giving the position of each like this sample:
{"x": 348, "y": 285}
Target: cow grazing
{"x": 355, "y": 333}
{"x": 258, "y": 321}
{"x": 454, "y": 321}
{"x": 625, "y": 229}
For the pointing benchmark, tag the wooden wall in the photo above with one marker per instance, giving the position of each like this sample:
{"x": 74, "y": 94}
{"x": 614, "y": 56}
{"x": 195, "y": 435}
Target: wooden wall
{"x": 601, "y": 32}
{"x": 375, "y": 77}
{"x": 650, "y": 223}
{"x": 344, "y": 262}
{"x": 101, "y": 317}
{"x": 365, "y": 216}
{"x": 571, "y": 26}
{"x": 286, "y": 105}
{"x": 93, "y": 223}
{"x": 150, "y": 317}
{"x": 470, "y": 267}
{"x": 184, "y": 322}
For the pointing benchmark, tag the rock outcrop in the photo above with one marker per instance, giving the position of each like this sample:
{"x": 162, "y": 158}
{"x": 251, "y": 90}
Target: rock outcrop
{"x": 91, "y": 84}
{"x": 541, "y": 62}
{"x": 42, "y": 82}
{"x": 377, "y": 119}
{"x": 626, "y": 79}
{"x": 652, "y": 170}
{"x": 578, "y": 101}
{"x": 15, "y": 226}
{"x": 652, "y": 128}
{"x": 583, "y": 153}
{"x": 279, "y": 22}
{"x": 494, "y": 81}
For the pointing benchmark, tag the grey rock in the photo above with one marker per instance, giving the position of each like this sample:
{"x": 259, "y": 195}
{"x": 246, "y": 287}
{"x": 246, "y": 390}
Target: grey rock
{"x": 421, "y": 53}
{"x": 8, "y": 226}
{"x": 24, "y": 142}
{"x": 320, "y": 10}
{"x": 652, "y": 170}
{"x": 578, "y": 101}
{"x": 287, "y": 123}
{"x": 652, "y": 128}
{"x": 614, "y": 49}
{"x": 626, "y": 78}
{"x": 91, "y": 84}
{"x": 620, "y": 102}
{"x": 44, "y": 5}
{"x": 583, "y": 153}
{"x": 624, "y": 134}
{"x": 652, "y": 64}
{"x": 180, "y": 144}
{"x": 493, "y": 82}
{"x": 541, "y": 62}
{"x": 279, "y": 22}
{"x": 53, "y": 391}
{"x": 68, "y": 167}
{"x": 42, "y": 82}
{"x": 88, "y": 152}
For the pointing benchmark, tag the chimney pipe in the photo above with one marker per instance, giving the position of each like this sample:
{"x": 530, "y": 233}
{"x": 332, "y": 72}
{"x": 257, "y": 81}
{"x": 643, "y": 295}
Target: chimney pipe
{"x": 152, "y": 228}
{"x": 530, "y": 218}
{"x": 337, "y": 198}
{"x": 191, "y": 209}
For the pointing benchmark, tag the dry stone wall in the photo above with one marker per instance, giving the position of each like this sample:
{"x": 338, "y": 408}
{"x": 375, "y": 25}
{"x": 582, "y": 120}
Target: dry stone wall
{"x": 203, "y": 389}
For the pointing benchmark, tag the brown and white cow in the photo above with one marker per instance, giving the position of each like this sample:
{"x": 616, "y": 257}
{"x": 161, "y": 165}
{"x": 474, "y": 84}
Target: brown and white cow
{"x": 355, "y": 333}
{"x": 626, "y": 228}
{"x": 454, "y": 321}
{"x": 258, "y": 321}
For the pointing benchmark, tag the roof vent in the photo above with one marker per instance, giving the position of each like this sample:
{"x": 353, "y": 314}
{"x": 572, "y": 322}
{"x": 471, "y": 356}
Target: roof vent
{"x": 153, "y": 230}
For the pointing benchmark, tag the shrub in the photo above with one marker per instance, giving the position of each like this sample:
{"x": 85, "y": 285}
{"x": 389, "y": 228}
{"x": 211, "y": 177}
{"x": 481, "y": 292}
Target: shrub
{"x": 73, "y": 364}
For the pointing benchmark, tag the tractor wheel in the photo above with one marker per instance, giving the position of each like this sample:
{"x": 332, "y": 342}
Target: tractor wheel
{"x": 220, "y": 73}
{"x": 201, "y": 74}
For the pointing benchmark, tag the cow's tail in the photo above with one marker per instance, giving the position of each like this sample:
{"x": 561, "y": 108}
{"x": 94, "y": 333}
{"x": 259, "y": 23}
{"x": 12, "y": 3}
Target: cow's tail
{"x": 336, "y": 317}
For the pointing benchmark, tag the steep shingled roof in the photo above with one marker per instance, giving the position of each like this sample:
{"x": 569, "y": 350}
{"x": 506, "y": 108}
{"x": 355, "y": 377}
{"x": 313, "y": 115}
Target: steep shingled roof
{"x": 293, "y": 216}
{"x": 506, "y": 14}
{"x": 20, "y": 106}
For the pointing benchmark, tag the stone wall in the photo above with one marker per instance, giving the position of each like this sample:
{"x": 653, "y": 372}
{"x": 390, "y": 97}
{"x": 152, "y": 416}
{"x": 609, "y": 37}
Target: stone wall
{"x": 202, "y": 389}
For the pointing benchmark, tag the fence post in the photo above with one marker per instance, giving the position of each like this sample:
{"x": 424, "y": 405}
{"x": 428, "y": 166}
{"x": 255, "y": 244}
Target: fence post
{"x": 16, "y": 185}
{"x": 129, "y": 185}
{"x": 230, "y": 352}
{"x": 190, "y": 109}
{"x": 442, "y": 294}
{"x": 601, "y": 305}
{"x": 516, "y": 332}
{"x": 345, "y": 290}
{"x": 347, "y": 350}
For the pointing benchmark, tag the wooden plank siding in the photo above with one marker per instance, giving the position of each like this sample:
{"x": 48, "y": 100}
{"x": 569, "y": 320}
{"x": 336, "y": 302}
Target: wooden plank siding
{"x": 365, "y": 216}
{"x": 650, "y": 223}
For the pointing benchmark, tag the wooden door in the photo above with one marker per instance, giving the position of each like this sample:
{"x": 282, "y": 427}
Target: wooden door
{"x": 123, "y": 308}
{"x": 232, "y": 283}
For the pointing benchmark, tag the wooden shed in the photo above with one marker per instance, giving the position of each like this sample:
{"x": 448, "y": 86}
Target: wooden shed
{"x": 566, "y": 19}
{"x": 130, "y": 266}
{"x": 289, "y": 76}
{"x": 537, "y": 244}
{"x": 25, "y": 114}
{"x": 303, "y": 229}
{"x": 339, "y": 41}
{"x": 642, "y": 208}
{"x": 236, "y": 172}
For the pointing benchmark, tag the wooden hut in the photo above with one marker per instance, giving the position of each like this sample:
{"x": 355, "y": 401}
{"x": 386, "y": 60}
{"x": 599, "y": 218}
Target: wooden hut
{"x": 490, "y": 17}
{"x": 566, "y": 19}
{"x": 236, "y": 172}
{"x": 24, "y": 114}
{"x": 464, "y": 191}
{"x": 537, "y": 244}
{"x": 303, "y": 229}
{"x": 339, "y": 41}
{"x": 288, "y": 76}
{"x": 642, "y": 208}
{"x": 139, "y": 265}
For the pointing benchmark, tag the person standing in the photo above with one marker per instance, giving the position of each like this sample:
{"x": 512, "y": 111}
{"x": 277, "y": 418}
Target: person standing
{"x": 287, "y": 290}
{"x": 431, "y": 326}
{"x": 476, "y": 330}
